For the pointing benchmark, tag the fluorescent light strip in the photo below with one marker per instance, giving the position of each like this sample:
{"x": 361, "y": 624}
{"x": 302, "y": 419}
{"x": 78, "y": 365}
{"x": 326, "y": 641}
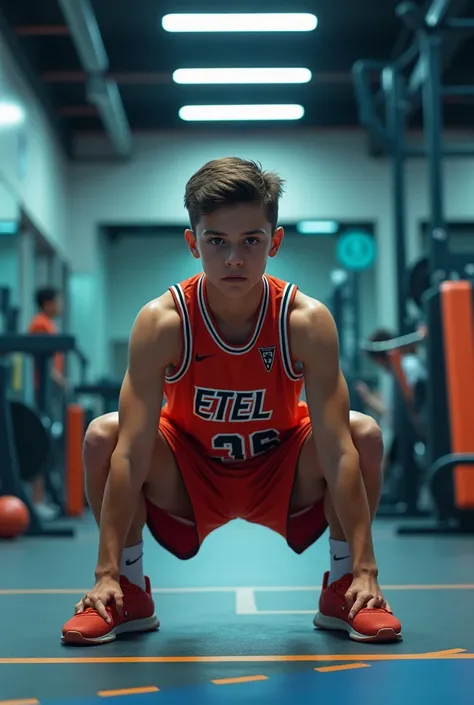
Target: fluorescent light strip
{"x": 241, "y": 112}
{"x": 240, "y": 22}
{"x": 255, "y": 75}
{"x": 317, "y": 227}
{"x": 11, "y": 114}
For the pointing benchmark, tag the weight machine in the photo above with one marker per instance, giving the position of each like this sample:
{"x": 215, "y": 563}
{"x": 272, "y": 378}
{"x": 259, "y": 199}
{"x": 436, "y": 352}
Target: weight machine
{"x": 29, "y": 446}
{"x": 43, "y": 347}
{"x": 446, "y": 296}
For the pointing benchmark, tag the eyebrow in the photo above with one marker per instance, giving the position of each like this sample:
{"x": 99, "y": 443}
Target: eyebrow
{"x": 248, "y": 232}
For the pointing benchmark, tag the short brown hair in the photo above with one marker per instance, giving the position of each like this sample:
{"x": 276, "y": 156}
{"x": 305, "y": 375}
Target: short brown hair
{"x": 228, "y": 181}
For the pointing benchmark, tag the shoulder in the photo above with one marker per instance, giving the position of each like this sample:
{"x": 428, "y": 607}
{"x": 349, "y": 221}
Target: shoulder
{"x": 41, "y": 324}
{"x": 157, "y": 329}
{"x": 312, "y": 329}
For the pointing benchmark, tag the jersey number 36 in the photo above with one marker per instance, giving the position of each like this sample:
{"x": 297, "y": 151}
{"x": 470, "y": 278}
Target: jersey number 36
{"x": 238, "y": 447}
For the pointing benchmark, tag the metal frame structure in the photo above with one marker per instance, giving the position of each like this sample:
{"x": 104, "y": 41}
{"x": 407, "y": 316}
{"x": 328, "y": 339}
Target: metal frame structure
{"x": 437, "y": 36}
{"x": 414, "y": 81}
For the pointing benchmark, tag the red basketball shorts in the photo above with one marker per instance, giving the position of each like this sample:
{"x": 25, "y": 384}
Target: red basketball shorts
{"x": 258, "y": 492}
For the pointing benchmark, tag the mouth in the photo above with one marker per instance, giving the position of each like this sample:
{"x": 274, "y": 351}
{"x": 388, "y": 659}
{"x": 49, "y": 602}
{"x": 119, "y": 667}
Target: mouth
{"x": 234, "y": 278}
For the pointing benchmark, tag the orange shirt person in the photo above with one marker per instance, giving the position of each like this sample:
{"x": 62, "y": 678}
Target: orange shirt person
{"x": 49, "y": 302}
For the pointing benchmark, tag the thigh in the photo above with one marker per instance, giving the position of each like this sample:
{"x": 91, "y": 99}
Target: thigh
{"x": 163, "y": 486}
{"x": 310, "y": 484}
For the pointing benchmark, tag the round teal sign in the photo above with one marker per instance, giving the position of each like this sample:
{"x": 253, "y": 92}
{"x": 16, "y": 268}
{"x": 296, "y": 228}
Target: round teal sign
{"x": 356, "y": 250}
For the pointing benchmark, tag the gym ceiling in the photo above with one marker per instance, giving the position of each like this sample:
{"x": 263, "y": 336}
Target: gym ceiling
{"x": 140, "y": 94}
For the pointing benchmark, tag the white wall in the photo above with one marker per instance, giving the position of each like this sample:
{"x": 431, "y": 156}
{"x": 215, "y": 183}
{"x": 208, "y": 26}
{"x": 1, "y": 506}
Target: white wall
{"x": 32, "y": 165}
{"x": 329, "y": 175}
{"x": 141, "y": 268}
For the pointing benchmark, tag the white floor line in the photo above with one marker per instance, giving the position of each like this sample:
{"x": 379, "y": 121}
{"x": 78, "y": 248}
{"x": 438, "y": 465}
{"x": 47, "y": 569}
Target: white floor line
{"x": 222, "y": 590}
{"x": 245, "y": 601}
{"x": 265, "y": 612}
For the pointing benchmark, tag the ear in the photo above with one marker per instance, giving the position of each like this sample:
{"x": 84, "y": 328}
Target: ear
{"x": 277, "y": 239}
{"x": 190, "y": 238}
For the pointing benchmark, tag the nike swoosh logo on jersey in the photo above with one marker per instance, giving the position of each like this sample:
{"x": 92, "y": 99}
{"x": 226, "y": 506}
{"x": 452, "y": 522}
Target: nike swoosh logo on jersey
{"x": 199, "y": 358}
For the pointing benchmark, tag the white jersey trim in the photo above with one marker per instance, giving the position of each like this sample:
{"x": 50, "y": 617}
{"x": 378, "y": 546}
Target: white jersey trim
{"x": 187, "y": 336}
{"x": 284, "y": 336}
{"x": 233, "y": 349}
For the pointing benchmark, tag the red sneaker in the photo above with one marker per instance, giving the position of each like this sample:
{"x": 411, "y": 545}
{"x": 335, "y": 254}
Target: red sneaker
{"x": 138, "y": 616}
{"x": 367, "y": 625}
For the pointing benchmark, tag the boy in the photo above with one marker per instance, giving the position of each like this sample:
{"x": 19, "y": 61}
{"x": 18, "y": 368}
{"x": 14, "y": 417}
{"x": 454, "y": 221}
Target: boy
{"x": 230, "y": 350}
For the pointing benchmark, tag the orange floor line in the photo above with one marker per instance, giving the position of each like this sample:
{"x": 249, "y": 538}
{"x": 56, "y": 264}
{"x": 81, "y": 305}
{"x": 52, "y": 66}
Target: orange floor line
{"x": 127, "y": 691}
{"x": 243, "y": 679}
{"x": 446, "y": 654}
{"x": 346, "y": 667}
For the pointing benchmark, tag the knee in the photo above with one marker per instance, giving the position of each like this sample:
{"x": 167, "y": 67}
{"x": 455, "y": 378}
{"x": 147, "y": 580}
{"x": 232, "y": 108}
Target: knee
{"x": 100, "y": 438}
{"x": 368, "y": 438}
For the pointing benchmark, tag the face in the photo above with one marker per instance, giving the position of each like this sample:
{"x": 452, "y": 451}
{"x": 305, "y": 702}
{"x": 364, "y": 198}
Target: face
{"x": 54, "y": 308}
{"x": 234, "y": 244}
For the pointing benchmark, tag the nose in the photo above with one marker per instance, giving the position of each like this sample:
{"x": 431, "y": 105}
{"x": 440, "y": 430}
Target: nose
{"x": 234, "y": 257}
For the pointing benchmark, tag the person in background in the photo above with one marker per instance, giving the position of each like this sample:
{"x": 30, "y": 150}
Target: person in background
{"x": 373, "y": 399}
{"x": 50, "y": 305}
{"x": 412, "y": 366}
{"x": 383, "y": 408}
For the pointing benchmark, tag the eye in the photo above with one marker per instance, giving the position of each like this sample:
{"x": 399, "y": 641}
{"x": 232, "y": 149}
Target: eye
{"x": 252, "y": 241}
{"x": 216, "y": 241}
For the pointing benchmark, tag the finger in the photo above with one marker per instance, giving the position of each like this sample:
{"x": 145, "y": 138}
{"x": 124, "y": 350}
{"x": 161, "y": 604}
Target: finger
{"x": 119, "y": 602}
{"x": 100, "y": 609}
{"x": 83, "y": 604}
{"x": 376, "y": 602}
{"x": 359, "y": 604}
{"x": 350, "y": 598}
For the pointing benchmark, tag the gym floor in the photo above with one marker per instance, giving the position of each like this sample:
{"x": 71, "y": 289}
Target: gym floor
{"x": 236, "y": 622}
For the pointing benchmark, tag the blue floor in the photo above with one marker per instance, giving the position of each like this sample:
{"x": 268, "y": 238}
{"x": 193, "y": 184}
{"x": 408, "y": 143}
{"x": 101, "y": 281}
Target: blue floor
{"x": 245, "y": 595}
{"x": 411, "y": 683}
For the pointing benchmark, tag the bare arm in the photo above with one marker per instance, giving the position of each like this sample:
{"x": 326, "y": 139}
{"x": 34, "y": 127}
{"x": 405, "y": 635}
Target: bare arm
{"x": 315, "y": 343}
{"x": 152, "y": 348}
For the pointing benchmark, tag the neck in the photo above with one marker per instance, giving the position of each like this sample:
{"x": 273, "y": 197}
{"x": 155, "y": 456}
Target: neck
{"x": 238, "y": 309}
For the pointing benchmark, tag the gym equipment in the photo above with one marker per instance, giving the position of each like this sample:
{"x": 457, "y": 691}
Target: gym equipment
{"x": 14, "y": 517}
{"x": 408, "y": 420}
{"x": 344, "y": 306}
{"x": 398, "y": 343}
{"x": 31, "y": 440}
{"x": 10, "y": 314}
{"x": 42, "y": 347}
{"x": 419, "y": 281}
{"x": 107, "y": 391}
{"x": 447, "y": 305}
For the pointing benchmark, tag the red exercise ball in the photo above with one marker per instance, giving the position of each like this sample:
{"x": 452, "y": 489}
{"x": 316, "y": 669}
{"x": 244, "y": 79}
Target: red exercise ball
{"x": 14, "y": 517}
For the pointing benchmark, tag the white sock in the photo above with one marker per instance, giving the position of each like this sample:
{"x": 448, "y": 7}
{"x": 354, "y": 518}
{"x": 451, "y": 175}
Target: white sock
{"x": 341, "y": 561}
{"x": 132, "y": 565}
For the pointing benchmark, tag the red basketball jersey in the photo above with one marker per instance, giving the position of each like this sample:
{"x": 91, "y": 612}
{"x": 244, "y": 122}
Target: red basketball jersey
{"x": 235, "y": 401}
